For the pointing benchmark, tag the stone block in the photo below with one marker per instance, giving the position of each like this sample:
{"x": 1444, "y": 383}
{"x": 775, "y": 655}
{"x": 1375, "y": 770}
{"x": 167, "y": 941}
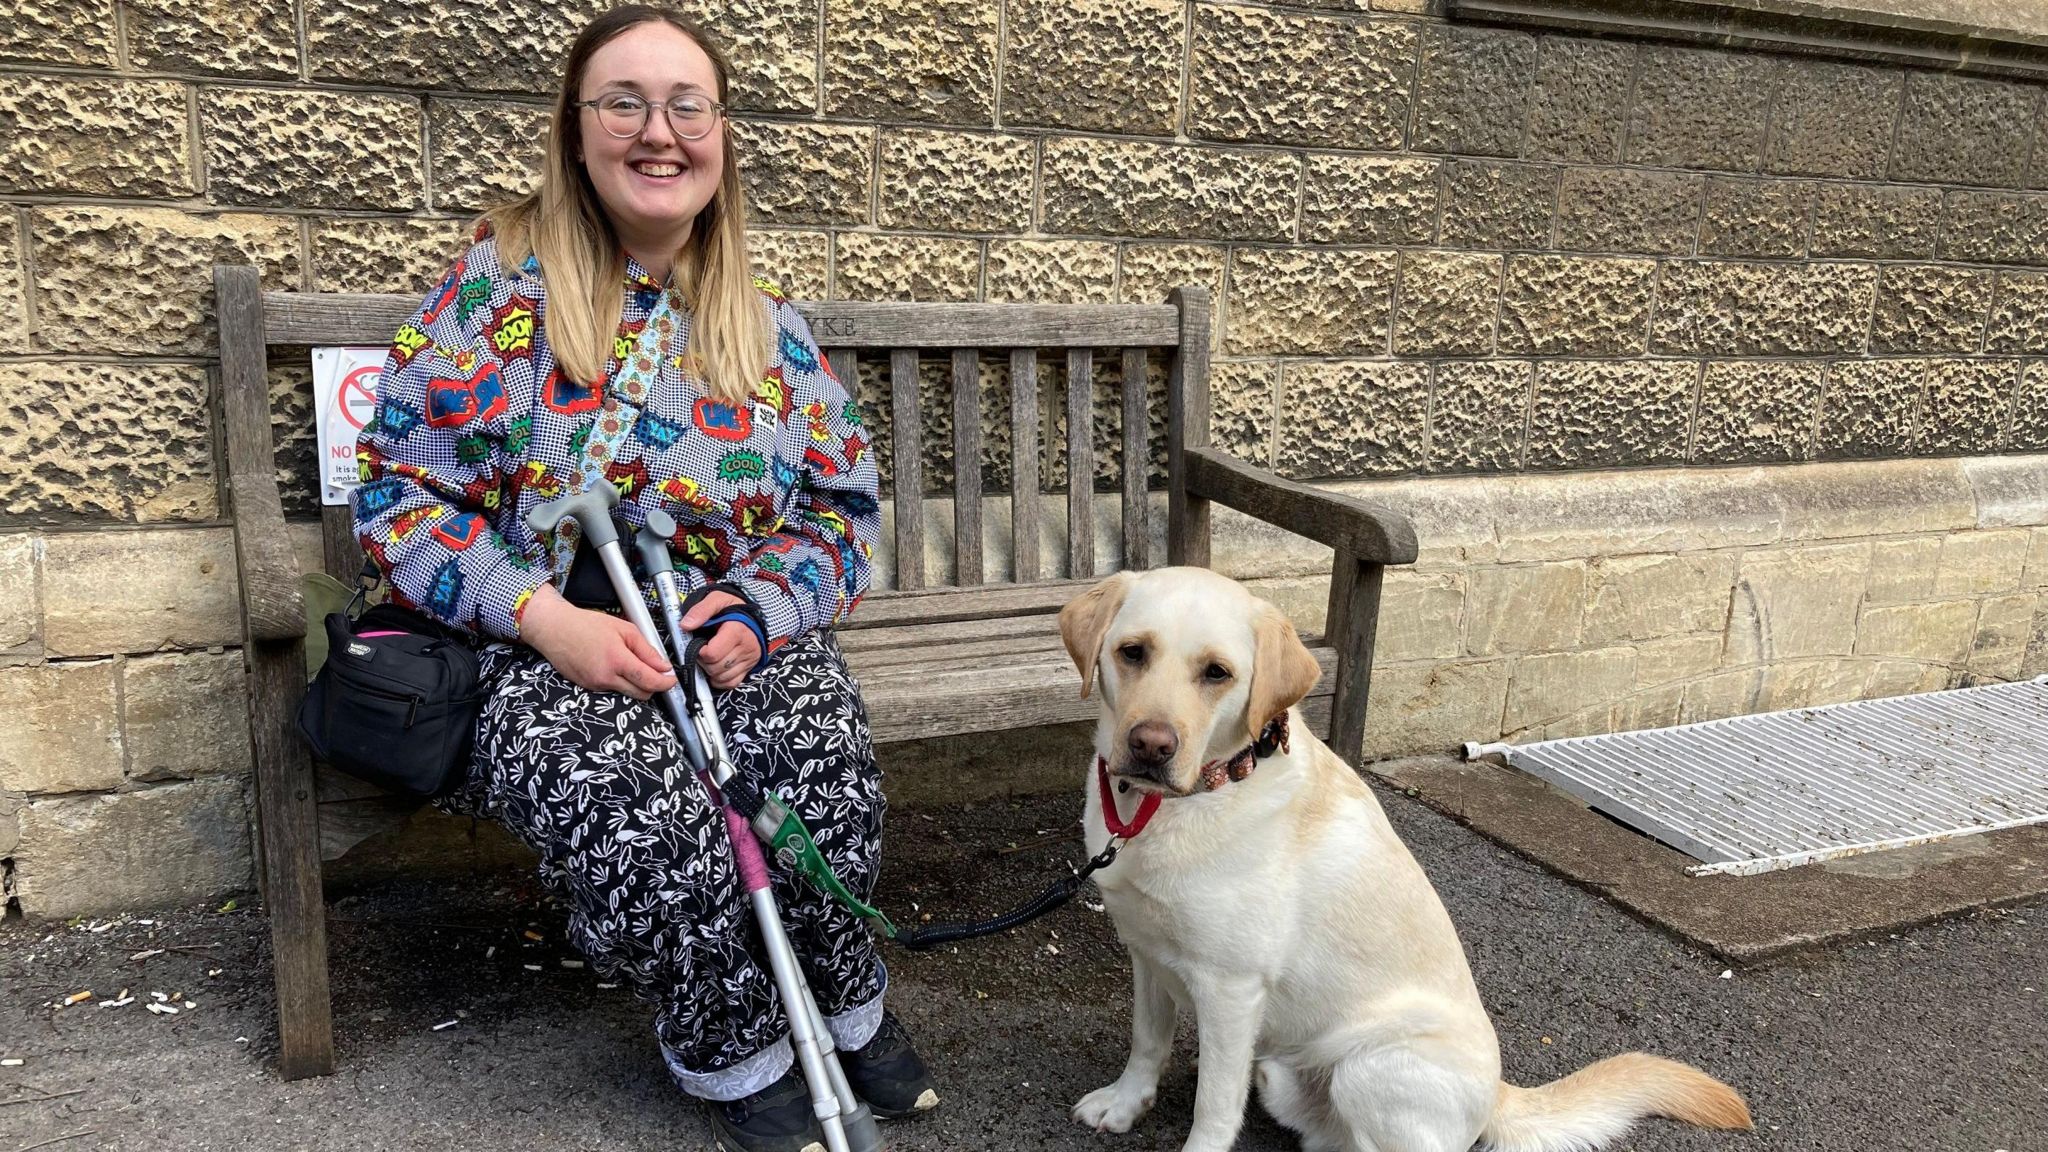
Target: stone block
{"x": 1736, "y": 692}
{"x": 1812, "y": 683}
{"x": 1624, "y": 210}
{"x": 1883, "y": 221}
{"x": 94, "y": 137}
{"x": 1675, "y": 659}
{"x": 2005, "y": 626}
{"x": 1368, "y": 200}
{"x": 931, "y": 61}
{"x": 1096, "y": 65}
{"x": 1902, "y": 570}
{"x": 1433, "y": 708}
{"x": 1966, "y": 405}
{"x": 1871, "y": 408}
{"x": 2029, "y": 432}
{"x": 1600, "y": 414}
{"x": 1051, "y": 272}
{"x": 1963, "y": 130}
{"x": 1756, "y": 412}
{"x": 1855, "y": 500}
{"x": 1258, "y": 74}
{"x": 1124, "y": 188}
{"x": 1578, "y": 514}
{"x": 1478, "y": 415}
{"x": 1796, "y": 602}
{"x": 267, "y": 146}
{"x": 1995, "y": 227}
{"x": 805, "y": 173}
{"x": 2019, "y": 316}
{"x": 155, "y": 848}
{"x": 1923, "y": 308}
{"x": 1658, "y": 595}
{"x": 1472, "y": 91}
{"x": 1420, "y": 615}
{"x": 1700, "y": 109}
{"x": 60, "y": 728}
{"x": 1576, "y": 305}
{"x": 1981, "y": 563}
{"x": 2036, "y": 572}
{"x": 407, "y": 255}
{"x": 1729, "y": 307}
{"x": 90, "y": 440}
{"x": 1488, "y": 205}
{"x": 13, "y": 285}
{"x": 295, "y": 441}
{"x": 1904, "y": 678}
{"x": 21, "y": 611}
{"x": 484, "y": 154}
{"x": 1766, "y": 218}
{"x": 956, "y": 181}
{"x": 177, "y": 588}
{"x": 1525, "y": 608}
{"x": 1557, "y": 685}
{"x": 1649, "y": 708}
{"x": 257, "y": 40}
{"x": 1580, "y": 101}
{"x": 58, "y": 32}
{"x": 1941, "y": 632}
{"x": 1352, "y": 418}
{"x": 1147, "y": 273}
{"x": 1447, "y": 304}
{"x": 1304, "y": 302}
{"x": 1833, "y": 120}
{"x": 1242, "y": 395}
{"x": 162, "y": 259}
{"x": 773, "y": 46}
{"x": 873, "y": 266}
{"x": 798, "y": 260}
{"x": 185, "y": 715}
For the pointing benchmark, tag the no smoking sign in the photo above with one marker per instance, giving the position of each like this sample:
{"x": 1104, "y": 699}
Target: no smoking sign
{"x": 345, "y": 396}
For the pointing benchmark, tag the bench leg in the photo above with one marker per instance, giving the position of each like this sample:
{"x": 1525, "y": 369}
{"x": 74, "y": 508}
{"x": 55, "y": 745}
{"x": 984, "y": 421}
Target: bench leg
{"x": 1350, "y": 624}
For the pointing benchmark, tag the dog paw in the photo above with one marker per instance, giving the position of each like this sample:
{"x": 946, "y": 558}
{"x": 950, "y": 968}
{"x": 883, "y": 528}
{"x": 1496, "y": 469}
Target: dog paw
{"x": 1112, "y": 1109}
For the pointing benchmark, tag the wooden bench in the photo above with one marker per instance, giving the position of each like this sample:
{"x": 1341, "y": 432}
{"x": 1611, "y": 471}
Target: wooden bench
{"x": 934, "y": 657}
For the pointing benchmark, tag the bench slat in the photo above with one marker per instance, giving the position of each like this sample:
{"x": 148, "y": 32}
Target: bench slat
{"x": 1036, "y": 624}
{"x": 906, "y": 432}
{"x": 938, "y": 605}
{"x": 966, "y": 467}
{"x": 845, "y": 364}
{"x": 1024, "y": 465}
{"x": 1080, "y": 462}
{"x": 1137, "y": 463}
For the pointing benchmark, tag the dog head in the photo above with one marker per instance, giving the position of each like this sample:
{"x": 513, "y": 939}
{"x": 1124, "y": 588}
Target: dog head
{"x": 1191, "y": 667}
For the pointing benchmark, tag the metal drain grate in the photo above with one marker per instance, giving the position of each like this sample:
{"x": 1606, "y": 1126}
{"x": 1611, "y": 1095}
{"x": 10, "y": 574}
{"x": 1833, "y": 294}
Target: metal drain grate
{"x": 1756, "y": 793}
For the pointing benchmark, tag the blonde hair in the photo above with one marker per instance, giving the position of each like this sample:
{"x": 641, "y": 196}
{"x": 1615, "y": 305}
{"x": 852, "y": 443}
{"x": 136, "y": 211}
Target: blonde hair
{"x": 563, "y": 224}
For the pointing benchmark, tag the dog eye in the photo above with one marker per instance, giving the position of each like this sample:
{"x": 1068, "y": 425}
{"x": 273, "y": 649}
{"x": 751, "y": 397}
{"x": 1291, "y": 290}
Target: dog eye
{"x": 1216, "y": 673}
{"x": 1133, "y": 653}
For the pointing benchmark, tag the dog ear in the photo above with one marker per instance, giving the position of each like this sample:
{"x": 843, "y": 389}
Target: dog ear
{"x": 1283, "y": 671}
{"x": 1085, "y": 618}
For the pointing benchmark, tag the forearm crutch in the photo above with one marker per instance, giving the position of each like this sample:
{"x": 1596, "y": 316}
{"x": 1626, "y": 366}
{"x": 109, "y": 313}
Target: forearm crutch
{"x": 848, "y": 1124}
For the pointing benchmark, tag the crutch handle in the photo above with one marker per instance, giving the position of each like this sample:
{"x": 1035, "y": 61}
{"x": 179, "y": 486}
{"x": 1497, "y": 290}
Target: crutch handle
{"x": 590, "y": 508}
{"x": 652, "y": 542}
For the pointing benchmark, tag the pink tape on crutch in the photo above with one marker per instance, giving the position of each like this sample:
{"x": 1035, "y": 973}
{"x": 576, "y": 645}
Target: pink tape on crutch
{"x": 747, "y": 851}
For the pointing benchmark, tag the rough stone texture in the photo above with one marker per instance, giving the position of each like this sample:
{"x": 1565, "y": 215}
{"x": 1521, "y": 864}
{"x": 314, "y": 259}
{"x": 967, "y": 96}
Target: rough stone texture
{"x": 257, "y": 39}
{"x": 1352, "y": 419}
{"x": 1241, "y": 398}
{"x": 1622, "y": 210}
{"x": 1477, "y": 415}
{"x": 1756, "y": 412}
{"x": 877, "y": 267}
{"x": 13, "y": 284}
{"x": 1050, "y": 272}
{"x": 1559, "y": 685}
{"x": 1307, "y": 302}
{"x": 1149, "y": 271}
{"x": 1723, "y": 308}
{"x": 956, "y": 181}
{"x": 1647, "y": 597}
{"x": 2019, "y": 319}
{"x": 295, "y": 439}
{"x": 1433, "y": 707}
{"x": 1995, "y": 228}
{"x": 922, "y": 60}
{"x": 1937, "y": 633}
{"x": 805, "y": 173}
{"x": 1257, "y": 74}
{"x": 1902, "y": 570}
{"x": 408, "y": 256}
{"x": 163, "y": 262}
{"x": 1602, "y": 413}
{"x": 1871, "y": 408}
{"x": 1966, "y": 406}
{"x": 2005, "y": 626}
{"x": 1526, "y": 608}
{"x": 1472, "y": 91}
{"x": 1497, "y": 205}
{"x": 1699, "y": 109}
{"x": 1963, "y": 130}
{"x": 95, "y": 137}
{"x": 1096, "y": 65}
{"x": 178, "y": 589}
{"x": 1922, "y": 308}
{"x": 2030, "y": 411}
{"x": 484, "y": 154}
{"x": 1795, "y": 602}
{"x": 1756, "y": 218}
{"x": 185, "y": 715}
{"x": 127, "y": 442}
{"x": 773, "y": 46}
{"x": 1576, "y": 306}
{"x": 1119, "y": 188}
{"x": 1875, "y": 220}
{"x": 1420, "y": 614}
{"x": 311, "y": 150}
{"x": 151, "y": 849}
{"x": 1981, "y": 563}
{"x": 1446, "y": 304}
{"x": 60, "y": 727}
{"x": 22, "y": 608}
{"x": 1833, "y": 120}
{"x": 1580, "y": 101}
{"x": 1368, "y": 200}
{"x": 58, "y": 31}
{"x": 799, "y": 261}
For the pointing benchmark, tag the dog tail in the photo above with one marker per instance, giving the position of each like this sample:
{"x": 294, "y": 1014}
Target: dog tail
{"x": 1600, "y": 1101}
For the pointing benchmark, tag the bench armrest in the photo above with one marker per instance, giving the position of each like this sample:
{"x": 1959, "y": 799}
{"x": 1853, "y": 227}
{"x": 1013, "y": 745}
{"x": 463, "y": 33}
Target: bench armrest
{"x": 1367, "y": 532}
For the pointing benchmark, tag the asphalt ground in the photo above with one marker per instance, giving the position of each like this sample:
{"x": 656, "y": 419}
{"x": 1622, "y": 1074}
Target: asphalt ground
{"x": 1934, "y": 1038}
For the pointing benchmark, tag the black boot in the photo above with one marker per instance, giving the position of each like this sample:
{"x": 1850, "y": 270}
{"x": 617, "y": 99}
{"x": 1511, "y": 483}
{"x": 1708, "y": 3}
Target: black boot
{"x": 889, "y": 1075}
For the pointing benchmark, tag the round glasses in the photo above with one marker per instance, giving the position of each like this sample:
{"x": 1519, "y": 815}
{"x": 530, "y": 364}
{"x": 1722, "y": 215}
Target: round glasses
{"x": 624, "y": 115}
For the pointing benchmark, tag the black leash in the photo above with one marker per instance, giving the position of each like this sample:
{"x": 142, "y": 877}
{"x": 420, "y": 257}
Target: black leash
{"x": 1058, "y": 893}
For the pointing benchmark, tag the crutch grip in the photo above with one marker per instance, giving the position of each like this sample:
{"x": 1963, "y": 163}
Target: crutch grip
{"x": 652, "y": 542}
{"x": 590, "y": 508}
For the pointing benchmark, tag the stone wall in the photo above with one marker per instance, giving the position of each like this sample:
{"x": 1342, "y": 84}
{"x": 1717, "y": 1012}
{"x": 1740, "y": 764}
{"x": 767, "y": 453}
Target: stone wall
{"x": 1458, "y": 259}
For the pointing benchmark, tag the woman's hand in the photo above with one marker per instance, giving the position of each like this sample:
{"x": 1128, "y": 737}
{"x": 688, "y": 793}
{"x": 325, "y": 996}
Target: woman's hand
{"x": 732, "y": 651}
{"x": 595, "y": 651}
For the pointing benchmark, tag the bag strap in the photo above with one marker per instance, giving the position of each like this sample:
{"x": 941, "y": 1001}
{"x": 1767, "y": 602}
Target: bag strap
{"x": 366, "y": 583}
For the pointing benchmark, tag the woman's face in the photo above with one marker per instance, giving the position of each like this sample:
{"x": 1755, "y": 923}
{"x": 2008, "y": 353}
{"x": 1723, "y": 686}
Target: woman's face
{"x": 653, "y": 184}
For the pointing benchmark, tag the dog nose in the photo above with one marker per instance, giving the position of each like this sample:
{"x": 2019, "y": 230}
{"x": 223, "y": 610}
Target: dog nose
{"x": 1153, "y": 743}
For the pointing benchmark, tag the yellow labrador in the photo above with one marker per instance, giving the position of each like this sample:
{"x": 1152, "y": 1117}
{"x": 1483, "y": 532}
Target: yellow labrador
{"x": 1268, "y": 895}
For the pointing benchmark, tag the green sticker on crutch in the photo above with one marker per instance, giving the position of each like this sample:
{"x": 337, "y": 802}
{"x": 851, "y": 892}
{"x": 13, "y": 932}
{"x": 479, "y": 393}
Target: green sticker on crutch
{"x": 792, "y": 844}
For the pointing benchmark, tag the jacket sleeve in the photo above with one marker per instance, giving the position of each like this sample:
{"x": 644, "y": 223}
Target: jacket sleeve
{"x": 816, "y": 566}
{"x": 429, "y": 492}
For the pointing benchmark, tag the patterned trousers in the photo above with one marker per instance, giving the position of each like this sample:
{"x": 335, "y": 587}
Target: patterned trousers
{"x": 594, "y": 782}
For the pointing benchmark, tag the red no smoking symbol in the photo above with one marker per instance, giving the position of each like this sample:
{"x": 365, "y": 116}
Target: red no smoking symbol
{"x": 358, "y": 397}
